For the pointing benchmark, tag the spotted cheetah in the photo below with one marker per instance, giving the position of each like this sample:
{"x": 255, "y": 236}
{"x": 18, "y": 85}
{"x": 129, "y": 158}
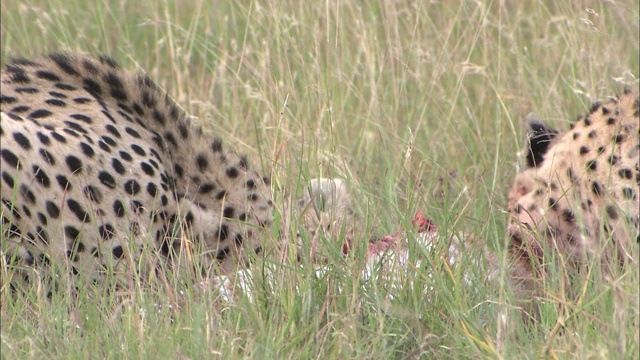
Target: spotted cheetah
{"x": 578, "y": 195}
{"x": 98, "y": 163}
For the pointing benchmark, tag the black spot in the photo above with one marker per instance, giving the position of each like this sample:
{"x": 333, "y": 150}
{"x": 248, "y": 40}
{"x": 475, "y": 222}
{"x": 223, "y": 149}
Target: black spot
{"x": 117, "y": 252}
{"x": 158, "y": 116}
{"x": 59, "y": 138}
{"x": 183, "y": 130}
{"x": 8, "y": 179}
{"x": 14, "y": 116}
{"x": 118, "y": 208}
{"x": 27, "y": 194}
{"x": 206, "y": 188}
{"x": 138, "y": 150}
{"x": 71, "y": 232}
{"x": 92, "y": 193}
{"x": 125, "y": 156}
{"x": 152, "y": 189}
{"x": 138, "y": 109}
{"x": 605, "y": 110}
{"x": 618, "y": 138}
{"x": 222, "y": 254}
{"x": 252, "y": 197}
{"x": 108, "y": 61}
{"x": 18, "y": 75}
{"x": 223, "y": 232}
{"x": 568, "y": 216}
{"x": 66, "y": 87}
{"x": 216, "y": 145}
{"x": 43, "y": 219}
{"x": 188, "y": 219}
{"x": 71, "y": 132}
{"x": 22, "y": 140}
{"x": 243, "y": 163}
{"x": 158, "y": 215}
{"x": 232, "y": 172}
{"x": 75, "y": 126}
{"x": 39, "y": 114}
{"x": 221, "y": 194}
{"x": 58, "y": 95}
{"x": 628, "y": 193}
{"x": 592, "y": 134}
{"x": 7, "y": 100}
{"x": 19, "y": 109}
{"x": 612, "y": 212}
{"x": 42, "y": 235}
{"x": 625, "y": 173}
{"x": 78, "y": 211}
{"x": 117, "y": 89}
{"x": 158, "y": 141}
{"x": 202, "y": 162}
{"x": 583, "y": 150}
{"x": 238, "y": 240}
{"x": 44, "y": 139}
{"x": 81, "y": 100}
{"x": 104, "y": 146}
{"x": 171, "y": 139}
{"x": 41, "y": 176}
{"x": 92, "y": 86}
{"x": 611, "y": 121}
{"x": 64, "y": 63}
{"x": 10, "y": 158}
{"x": 107, "y": 180}
{"x": 154, "y": 153}
{"x": 132, "y": 187}
{"x": 112, "y": 130}
{"x": 592, "y": 165}
{"x": 26, "y": 212}
{"x": 106, "y": 231}
{"x": 597, "y": 188}
{"x": 613, "y": 159}
{"x": 87, "y": 150}
{"x": 250, "y": 184}
{"x": 63, "y": 182}
{"x": 47, "y": 75}
{"x": 74, "y": 164}
{"x": 117, "y": 166}
{"x": 148, "y": 169}
{"x": 179, "y": 171}
{"x": 228, "y": 212}
{"x": 137, "y": 207}
{"x": 13, "y": 210}
{"x": 108, "y": 140}
{"x": 132, "y": 132}
{"x": 56, "y": 102}
{"x": 108, "y": 116}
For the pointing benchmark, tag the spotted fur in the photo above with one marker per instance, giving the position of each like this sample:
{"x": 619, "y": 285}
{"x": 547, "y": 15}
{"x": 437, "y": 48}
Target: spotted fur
{"x": 98, "y": 162}
{"x": 578, "y": 196}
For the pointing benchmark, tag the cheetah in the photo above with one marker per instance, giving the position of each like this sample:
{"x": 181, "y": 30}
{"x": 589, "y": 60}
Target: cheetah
{"x": 99, "y": 163}
{"x": 578, "y": 195}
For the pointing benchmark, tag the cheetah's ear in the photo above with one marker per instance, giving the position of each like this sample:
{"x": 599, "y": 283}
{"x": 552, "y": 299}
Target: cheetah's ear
{"x": 539, "y": 138}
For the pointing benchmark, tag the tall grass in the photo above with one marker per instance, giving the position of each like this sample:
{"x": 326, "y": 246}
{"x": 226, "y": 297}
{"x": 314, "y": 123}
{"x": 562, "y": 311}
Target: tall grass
{"x": 416, "y": 104}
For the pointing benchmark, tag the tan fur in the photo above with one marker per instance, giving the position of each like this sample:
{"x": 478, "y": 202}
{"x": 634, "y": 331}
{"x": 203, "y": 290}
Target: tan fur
{"x": 582, "y": 201}
{"x": 98, "y": 162}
